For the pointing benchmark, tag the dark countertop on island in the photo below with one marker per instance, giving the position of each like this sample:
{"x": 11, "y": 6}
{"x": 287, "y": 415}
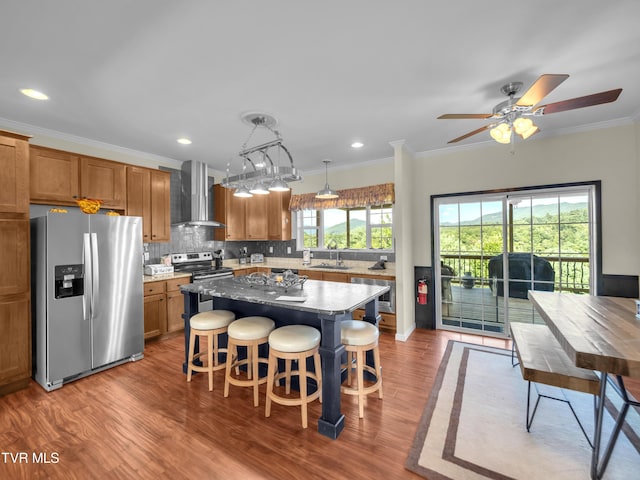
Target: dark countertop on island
{"x": 329, "y": 298}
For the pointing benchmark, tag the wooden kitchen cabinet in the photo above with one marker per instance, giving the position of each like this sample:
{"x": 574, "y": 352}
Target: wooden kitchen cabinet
{"x": 155, "y": 315}
{"x": 139, "y": 198}
{"x": 312, "y": 274}
{"x": 335, "y": 277}
{"x": 231, "y": 212}
{"x": 160, "y": 206}
{"x": 155, "y": 309}
{"x": 387, "y": 320}
{"x": 149, "y": 197}
{"x": 244, "y": 271}
{"x": 54, "y": 176}
{"x": 256, "y": 221}
{"x": 14, "y": 173}
{"x": 279, "y": 215}
{"x": 15, "y": 285}
{"x": 261, "y": 217}
{"x": 14, "y": 245}
{"x": 104, "y": 180}
{"x": 15, "y": 343}
{"x": 175, "y": 304}
{"x": 324, "y": 275}
{"x": 163, "y": 307}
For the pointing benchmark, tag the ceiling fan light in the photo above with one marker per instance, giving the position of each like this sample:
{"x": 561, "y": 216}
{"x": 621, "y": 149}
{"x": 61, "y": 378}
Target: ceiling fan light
{"x": 501, "y": 133}
{"x": 279, "y": 185}
{"x": 242, "y": 192}
{"x": 522, "y": 124}
{"x": 526, "y": 134}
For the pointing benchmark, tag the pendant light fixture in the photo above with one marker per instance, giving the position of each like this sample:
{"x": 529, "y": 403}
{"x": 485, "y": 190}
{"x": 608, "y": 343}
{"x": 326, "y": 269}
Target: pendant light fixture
{"x": 263, "y": 175}
{"x": 327, "y": 192}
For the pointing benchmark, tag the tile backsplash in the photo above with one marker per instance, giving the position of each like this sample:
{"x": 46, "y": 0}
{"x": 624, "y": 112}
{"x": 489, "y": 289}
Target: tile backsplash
{"x": 196, "y": 239}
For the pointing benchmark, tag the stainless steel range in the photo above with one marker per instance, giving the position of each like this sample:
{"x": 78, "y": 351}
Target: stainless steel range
{"x": 200, "y": 266}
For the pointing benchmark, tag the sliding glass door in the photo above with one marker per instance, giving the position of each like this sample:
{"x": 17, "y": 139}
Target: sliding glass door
{"x": 492, "y": 248}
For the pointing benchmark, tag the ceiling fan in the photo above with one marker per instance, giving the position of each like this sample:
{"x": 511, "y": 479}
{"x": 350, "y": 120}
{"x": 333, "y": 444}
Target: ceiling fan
{"x": 513, "y": 114}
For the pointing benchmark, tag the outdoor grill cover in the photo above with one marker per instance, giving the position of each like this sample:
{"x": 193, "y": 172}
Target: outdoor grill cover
{"x": 520, "y": 269}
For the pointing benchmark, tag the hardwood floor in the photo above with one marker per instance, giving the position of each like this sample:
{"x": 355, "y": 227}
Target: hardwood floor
{"x": 143, "y": 420}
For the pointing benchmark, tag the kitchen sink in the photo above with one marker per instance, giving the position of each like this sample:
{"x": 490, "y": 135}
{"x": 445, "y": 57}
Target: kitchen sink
{"x": 331, "y": 266}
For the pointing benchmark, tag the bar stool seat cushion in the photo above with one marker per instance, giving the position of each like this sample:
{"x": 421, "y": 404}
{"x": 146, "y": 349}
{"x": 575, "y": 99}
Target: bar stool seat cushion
{"x": 358, "y": 332}
{"x": 294, "y": 338}
{"x": 212, "y": 319}
{"x": 251, "y": 328}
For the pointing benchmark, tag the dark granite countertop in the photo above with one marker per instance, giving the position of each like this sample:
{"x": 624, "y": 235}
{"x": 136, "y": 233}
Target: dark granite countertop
{"x": 328, "y": 298}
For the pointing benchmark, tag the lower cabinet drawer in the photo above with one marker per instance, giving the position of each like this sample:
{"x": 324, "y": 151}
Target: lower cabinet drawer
{"x": 154, "y": 288}
{"x": 387, "y": 320}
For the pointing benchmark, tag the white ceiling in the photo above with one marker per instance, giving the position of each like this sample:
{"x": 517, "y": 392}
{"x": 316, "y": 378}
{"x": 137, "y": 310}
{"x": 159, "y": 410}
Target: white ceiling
{"x": 139, "y": 74}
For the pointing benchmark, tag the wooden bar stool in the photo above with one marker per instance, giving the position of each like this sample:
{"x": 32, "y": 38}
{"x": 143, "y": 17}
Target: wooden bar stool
{"x": 359, "y": 337}
{"x": 208, "y": 325}
{"x": 250, "y": 332}
{"x": 293, "y": 342}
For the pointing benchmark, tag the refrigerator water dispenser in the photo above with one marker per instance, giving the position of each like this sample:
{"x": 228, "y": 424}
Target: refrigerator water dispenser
{"x": 69, "y": 281}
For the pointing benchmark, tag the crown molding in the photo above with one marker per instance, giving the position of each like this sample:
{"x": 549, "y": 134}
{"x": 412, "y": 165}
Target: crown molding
{"x": 87, "y": 142}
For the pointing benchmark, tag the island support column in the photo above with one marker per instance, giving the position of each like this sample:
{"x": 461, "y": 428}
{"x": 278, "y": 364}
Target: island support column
{"x": 190, "y": 309}
{"x": 331, "y": 422}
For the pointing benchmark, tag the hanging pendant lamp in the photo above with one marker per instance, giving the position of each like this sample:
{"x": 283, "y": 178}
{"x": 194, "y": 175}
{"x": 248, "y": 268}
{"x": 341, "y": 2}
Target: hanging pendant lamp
{"x": 327, "y": 192}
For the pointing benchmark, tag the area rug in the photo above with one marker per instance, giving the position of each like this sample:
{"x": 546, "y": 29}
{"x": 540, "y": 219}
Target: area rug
{"x": 473, "y": 426}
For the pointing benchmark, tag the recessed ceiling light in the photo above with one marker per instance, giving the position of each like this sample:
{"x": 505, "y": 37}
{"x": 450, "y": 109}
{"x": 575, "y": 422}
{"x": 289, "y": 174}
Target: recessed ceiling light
{"x": 30, "y": 92}
{"x": 184, "y": 141}
{"x": 357, "y": 145}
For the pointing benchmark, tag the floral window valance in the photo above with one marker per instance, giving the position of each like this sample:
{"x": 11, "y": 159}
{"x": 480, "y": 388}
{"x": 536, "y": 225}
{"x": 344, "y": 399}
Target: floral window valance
{"x": 349, "y": 198}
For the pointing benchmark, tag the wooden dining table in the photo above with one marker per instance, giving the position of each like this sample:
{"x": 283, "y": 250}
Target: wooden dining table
{"x": 601, "y": 334}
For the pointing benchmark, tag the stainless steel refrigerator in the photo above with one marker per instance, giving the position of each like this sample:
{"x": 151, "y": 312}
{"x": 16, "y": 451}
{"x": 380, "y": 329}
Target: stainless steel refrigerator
{"x": 87, "y": 300}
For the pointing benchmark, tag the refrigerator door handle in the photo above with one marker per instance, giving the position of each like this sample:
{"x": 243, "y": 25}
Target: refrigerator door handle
{"x": 86, "y": 260}
{"x": 95, "y": 274}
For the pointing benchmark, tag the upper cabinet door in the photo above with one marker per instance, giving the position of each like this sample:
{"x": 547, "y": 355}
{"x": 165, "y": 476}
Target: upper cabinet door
{"x": 103, "y": 180}
{"x": 149, "y": 197}
{"x": 14, "y": 173}
{"x": 160, "y": 206}
{"x": 54, "y": 176}
{"x": 230, "y": 211}
{"x": 279, "y": 215}
{"x": 256, "y": 217}
{"x": 139, "y": 198}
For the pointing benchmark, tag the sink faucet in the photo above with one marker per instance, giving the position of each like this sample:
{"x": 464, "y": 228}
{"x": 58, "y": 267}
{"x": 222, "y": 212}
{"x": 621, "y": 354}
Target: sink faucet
{"x": 333, "y": 245}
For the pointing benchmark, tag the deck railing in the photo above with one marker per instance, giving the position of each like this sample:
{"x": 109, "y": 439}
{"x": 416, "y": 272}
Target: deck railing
{"x": 572, "y": 273}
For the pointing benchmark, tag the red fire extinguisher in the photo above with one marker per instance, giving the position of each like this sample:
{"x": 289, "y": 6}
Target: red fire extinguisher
{"x": 422, "y": 291}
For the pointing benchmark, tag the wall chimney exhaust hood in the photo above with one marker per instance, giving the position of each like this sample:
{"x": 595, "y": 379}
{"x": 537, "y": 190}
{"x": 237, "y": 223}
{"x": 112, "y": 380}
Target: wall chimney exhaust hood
{"x": 195, "y": 196}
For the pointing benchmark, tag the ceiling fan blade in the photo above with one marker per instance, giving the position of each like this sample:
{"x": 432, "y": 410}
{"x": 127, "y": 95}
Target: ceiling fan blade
{"x": 580, "y": 102}
{"x": 544, "y": 85}
{"x": 467, "y": 135}
{"x": 457, "y": 116}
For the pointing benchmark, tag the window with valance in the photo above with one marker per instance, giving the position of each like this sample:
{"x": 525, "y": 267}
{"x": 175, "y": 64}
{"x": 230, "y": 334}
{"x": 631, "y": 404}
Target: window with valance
{"x": 359, "y": 219}
{"x": 349, "y": 198}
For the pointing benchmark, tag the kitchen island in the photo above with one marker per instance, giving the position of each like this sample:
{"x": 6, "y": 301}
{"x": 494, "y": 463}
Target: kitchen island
{"x": 320, "y": 304}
